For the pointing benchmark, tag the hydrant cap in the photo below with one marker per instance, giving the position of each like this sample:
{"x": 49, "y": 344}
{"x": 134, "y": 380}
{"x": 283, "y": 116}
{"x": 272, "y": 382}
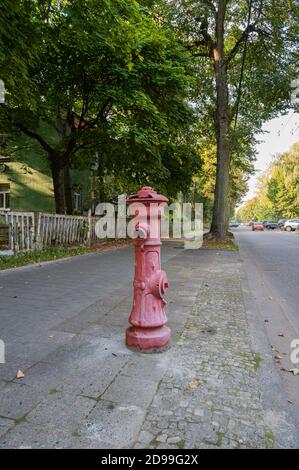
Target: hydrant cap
{"x": 147, "y": 194}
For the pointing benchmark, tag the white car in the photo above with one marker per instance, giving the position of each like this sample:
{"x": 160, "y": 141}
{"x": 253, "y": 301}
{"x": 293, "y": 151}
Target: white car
{"x": 291, "y": 224}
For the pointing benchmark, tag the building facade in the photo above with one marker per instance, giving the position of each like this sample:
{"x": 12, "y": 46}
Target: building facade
{"x": 26, "y": 185}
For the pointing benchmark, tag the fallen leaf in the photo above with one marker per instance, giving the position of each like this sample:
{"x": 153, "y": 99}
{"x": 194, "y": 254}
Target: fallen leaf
{"x": 194, "y": 384}
{"x": 292, "y": 371}
{"x": 20, "y": 374}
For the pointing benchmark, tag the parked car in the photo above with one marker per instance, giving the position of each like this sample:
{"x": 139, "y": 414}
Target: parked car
{"x": 257, "y": 226}
{"x": 291, "y": 224}
{"x": 234, "y": 224}
{"x": 281, "y": 223}
{"x": 270, "y": 224}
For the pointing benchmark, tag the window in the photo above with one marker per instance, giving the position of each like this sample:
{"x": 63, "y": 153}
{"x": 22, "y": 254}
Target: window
{"x": 77, "y": 201}
{"x": 4, "y": 196}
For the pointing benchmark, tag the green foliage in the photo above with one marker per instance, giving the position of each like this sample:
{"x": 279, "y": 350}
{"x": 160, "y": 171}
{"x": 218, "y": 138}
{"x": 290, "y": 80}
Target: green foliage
{"x": 18, "y": 48}
{"x": 104, "y": 77}
{"x": 278, "y": 191}
{"x": 283, "y": 184}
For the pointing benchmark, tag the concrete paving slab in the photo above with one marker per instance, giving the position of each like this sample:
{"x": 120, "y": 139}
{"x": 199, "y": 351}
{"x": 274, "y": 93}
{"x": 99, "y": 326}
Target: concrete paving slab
{"x": 131, "y": 391}
{"x": 18, "y": 400}
{"x": 113, "y": 426}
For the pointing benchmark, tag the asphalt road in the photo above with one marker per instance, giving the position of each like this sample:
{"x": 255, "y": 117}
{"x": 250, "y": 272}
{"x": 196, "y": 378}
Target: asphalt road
{"x": 271, "y": 265}
{"x": 276, "y": 254}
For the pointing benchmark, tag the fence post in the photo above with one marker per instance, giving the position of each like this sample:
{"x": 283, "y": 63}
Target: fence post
{"x": 17, "y": 234}
{"x": 11, "y": 237}
{"x": 89, "y": 232}
{"x": 38, "y": 243}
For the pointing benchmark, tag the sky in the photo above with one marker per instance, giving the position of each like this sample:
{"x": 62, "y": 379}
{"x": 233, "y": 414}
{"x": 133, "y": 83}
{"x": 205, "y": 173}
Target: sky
{"x": 282, "y": 132}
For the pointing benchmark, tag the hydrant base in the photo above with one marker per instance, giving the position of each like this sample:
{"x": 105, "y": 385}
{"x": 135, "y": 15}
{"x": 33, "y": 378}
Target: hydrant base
{"x": 148, "y": 340}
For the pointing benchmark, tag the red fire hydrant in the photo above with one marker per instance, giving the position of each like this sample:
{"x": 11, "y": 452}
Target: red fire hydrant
{"x": 148, "y": 332}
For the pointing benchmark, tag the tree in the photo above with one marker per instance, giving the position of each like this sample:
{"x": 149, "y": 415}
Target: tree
{"x": 247, "y": 212}
{"x": 246, "y": 52}
{"x": 283, "y": 184}
{"x": 278, "y": 190}
{"x": 105, "y": 78}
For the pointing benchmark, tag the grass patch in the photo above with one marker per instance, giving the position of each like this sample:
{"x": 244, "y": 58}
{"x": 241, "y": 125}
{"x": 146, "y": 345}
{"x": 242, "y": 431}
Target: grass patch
{"x": 253, "y": 357}
{"x": 220, "y": 245}
{"x": 220, "y": 436}
{"x": 257, "y": 361}
{"x": 54, "y": 253}
{"x": 21, "y": 420}
{"x": 181, "y": 444}
{"x": 226, "y": 243}
{"x": 269, "y": 439}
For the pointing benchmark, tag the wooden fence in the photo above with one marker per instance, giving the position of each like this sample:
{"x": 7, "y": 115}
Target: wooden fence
{"x": 20, "y": 229}
{"x": 26, "y": 231}
{"x": 56, "y": 229}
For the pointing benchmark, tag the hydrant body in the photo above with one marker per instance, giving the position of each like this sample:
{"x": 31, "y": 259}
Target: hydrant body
{"x": 148, "y": 332}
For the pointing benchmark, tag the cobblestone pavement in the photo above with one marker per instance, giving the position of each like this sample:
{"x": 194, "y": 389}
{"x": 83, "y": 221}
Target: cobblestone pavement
{"x": 213, "y": 397}
{"x": 84, "y": 388}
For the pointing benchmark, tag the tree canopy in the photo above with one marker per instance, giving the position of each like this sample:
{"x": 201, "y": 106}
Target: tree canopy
{"x": 278, "y": 191}
{"x": 105, "y": 78}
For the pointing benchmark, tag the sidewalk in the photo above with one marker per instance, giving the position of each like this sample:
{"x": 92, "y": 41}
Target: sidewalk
{"x": 84, "y": 388}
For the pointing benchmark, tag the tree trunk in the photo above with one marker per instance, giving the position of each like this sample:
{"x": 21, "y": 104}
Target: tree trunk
{"x": 68, "y": 190}
{"x": 57, "y": 174}
{"x": 220, "y": 210}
